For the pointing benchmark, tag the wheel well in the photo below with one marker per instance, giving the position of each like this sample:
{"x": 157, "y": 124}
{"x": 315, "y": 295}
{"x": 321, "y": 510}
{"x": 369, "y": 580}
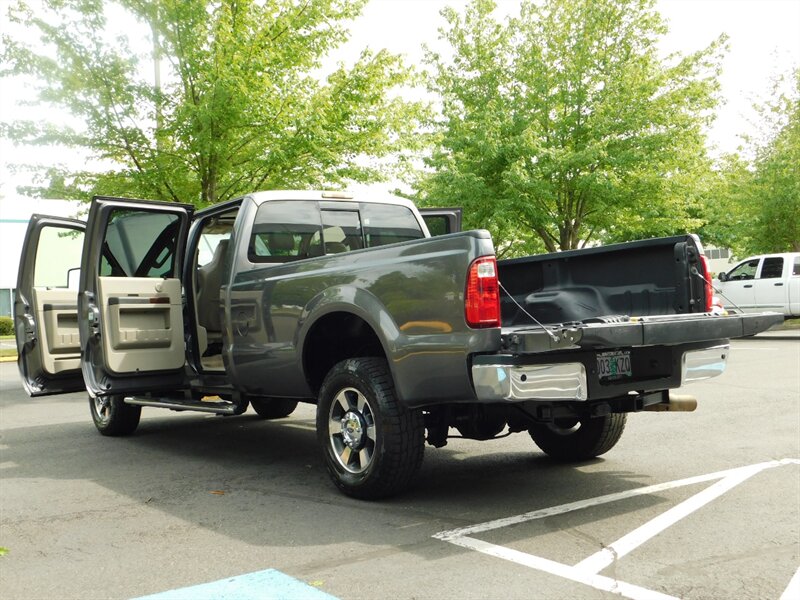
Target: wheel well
{"x": 334, "y": 338}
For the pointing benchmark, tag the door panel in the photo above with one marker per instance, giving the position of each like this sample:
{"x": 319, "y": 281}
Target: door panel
{"x": 771, "y": 292}
{"x": 142, "y": 323}
{"x": 57, "y": 314}
{"x": 131, "y": 294}
{"x": 46, "y": 306}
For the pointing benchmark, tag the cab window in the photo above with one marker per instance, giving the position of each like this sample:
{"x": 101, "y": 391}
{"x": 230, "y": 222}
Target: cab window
{"x": 139, "y": 244}
{"x": 746, "y": 270}
{"x": 341, "y": 231}
{"x": 388, "y": 224}
{"x": 772, "y": 268}
{"x": 285, "y": 231}
{"x": 58, "y": 258}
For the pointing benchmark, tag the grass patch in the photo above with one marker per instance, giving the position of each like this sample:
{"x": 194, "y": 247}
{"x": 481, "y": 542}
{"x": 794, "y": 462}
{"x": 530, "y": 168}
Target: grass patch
{"x": 8, "y": 353}
{"x": 791, "y": 324}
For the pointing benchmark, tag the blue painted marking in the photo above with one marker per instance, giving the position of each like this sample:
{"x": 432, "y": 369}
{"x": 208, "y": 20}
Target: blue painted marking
{"x": 261, "y": 585}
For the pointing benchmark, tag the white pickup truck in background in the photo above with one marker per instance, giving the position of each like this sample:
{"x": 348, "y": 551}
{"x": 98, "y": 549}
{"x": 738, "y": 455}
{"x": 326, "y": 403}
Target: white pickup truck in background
{"x": 765, "y": 282}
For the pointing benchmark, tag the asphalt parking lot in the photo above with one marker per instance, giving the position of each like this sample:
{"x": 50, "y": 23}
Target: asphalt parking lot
{"x": 689, "y": 505}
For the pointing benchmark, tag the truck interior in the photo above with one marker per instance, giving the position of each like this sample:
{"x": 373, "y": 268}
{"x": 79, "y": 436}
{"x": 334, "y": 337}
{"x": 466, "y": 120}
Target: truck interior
{"x": 208, "y": 269}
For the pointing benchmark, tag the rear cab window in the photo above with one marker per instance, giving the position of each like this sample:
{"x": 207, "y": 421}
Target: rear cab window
{"x": 389, "y": 224}
{"x": 285, "y": 231}
{"x": 290, "y": 230}
{"x": 772, "y": 268}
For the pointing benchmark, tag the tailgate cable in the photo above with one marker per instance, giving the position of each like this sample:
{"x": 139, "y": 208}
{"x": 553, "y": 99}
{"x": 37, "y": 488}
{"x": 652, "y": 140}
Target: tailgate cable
{"x": 553, "y": 336}
{"x": 713, "y": 287}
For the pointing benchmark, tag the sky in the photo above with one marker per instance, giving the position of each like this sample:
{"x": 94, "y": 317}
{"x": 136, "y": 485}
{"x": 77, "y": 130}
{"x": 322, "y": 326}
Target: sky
{"x": 764, "y": 40}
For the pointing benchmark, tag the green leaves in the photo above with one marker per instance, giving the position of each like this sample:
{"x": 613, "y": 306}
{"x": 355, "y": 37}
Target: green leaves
{"x": 230, "y": 105}
{"x": 565, "y": 122}
{"x": 755, "y": 204}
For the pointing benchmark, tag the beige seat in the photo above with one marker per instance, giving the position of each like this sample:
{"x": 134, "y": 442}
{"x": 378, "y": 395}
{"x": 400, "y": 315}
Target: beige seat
{"x": 209, "y": 280}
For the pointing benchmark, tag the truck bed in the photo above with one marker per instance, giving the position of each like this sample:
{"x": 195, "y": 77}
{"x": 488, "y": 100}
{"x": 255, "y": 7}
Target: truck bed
{"x": 642, "y": 279}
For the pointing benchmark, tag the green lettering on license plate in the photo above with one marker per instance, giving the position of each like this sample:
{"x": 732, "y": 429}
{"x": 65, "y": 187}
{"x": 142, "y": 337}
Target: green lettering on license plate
{"x": 614, "y": 365}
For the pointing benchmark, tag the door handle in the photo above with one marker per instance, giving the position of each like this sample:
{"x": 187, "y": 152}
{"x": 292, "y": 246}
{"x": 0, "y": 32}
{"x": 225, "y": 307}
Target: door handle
{"x": 29, "y": 328}
{"x": 93, "y": 317}
{"x": 779, "y": 284}
{"x": 749, "y": 285}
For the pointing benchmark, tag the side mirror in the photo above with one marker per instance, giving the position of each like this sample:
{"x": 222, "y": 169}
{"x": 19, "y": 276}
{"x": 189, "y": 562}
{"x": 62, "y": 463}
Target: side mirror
{"x": 723, "y": 276}
{"x": 72, "y": 278}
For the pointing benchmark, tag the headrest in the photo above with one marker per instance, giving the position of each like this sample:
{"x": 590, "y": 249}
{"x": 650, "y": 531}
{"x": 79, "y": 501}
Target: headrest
{"x": 220, "y": 250}
{"x": 281, "y": 242}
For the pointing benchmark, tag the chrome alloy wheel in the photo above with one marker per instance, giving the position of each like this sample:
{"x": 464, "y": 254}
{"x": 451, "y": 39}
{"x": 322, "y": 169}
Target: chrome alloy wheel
{"x": 351, "y": 429}
{"x": 102, "y": 406}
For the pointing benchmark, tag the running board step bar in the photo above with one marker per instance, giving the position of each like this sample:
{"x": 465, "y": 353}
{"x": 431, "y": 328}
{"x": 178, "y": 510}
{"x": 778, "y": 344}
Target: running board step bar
{"x": 220, "y": 408}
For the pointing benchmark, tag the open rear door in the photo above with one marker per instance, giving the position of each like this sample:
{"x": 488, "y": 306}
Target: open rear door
{"x": 441, "y": 221}
{"x": 46, "y": 306}
{"x": 131, "y": 297}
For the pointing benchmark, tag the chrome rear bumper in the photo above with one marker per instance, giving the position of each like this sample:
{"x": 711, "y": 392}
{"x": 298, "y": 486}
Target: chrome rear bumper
{"x": 503, "y": 381}
{"x": 563, "y": 381}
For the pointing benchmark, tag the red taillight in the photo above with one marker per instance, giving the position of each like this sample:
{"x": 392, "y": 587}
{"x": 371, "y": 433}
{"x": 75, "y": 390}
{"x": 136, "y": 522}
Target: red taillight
{"x": 482, "y": 301}
{"x": 709, "y": 289}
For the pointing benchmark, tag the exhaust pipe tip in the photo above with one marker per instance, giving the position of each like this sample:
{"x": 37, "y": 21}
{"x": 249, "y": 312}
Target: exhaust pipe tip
{"x": 675, "y": 403}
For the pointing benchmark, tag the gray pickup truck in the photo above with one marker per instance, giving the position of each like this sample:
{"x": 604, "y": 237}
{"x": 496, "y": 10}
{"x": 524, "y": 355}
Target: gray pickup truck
{"x": 351, "y": 304}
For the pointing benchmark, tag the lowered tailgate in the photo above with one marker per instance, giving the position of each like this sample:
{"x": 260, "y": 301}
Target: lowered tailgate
{"x": 616, "y": 332}
{"x": 609, "y": 358}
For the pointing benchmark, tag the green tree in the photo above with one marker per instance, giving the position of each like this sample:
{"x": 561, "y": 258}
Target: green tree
{"x": 777, "y": 177}
{"x": 199, "y": 100}
{"x": 728, "y": 215}
{"x": 755, "y": 204}
{"x": 563, "y": 125}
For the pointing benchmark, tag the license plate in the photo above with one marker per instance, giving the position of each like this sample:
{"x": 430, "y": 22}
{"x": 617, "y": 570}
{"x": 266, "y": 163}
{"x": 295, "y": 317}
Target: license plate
{"x": 614, "y": 365}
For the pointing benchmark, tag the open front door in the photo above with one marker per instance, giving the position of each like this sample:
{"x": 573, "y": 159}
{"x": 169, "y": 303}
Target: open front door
{"x": 46, "y": 306}
{"x": 441, "y": 221}
{"x": 130, "y": 300}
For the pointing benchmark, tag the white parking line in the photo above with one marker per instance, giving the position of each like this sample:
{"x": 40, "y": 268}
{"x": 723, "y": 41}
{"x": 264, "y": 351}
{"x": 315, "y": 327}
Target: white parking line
{"x": 627, "y": 543}
{"x": 589, "y": 502}
{"x": 599, "y": 582}
{"x": 587, "y": 570}
{"x": 792, "y": 591}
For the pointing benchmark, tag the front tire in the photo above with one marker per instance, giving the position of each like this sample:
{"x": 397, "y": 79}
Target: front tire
{"x": 571, "y": 440}
{"x": 371, "y": 443}
{"x": 113, "y": 417}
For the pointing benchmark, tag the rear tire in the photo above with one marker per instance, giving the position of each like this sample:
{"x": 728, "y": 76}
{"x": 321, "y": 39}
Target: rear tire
{"x": 273, "y": 408}
{"x": 113, "y": 417}
{"x": 371, "y": 443}
{"x": 571, "y": 440}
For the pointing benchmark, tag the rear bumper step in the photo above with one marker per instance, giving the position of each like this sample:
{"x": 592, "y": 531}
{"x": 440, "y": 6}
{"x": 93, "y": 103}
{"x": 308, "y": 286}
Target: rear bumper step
{"x": 573, "y": 376}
